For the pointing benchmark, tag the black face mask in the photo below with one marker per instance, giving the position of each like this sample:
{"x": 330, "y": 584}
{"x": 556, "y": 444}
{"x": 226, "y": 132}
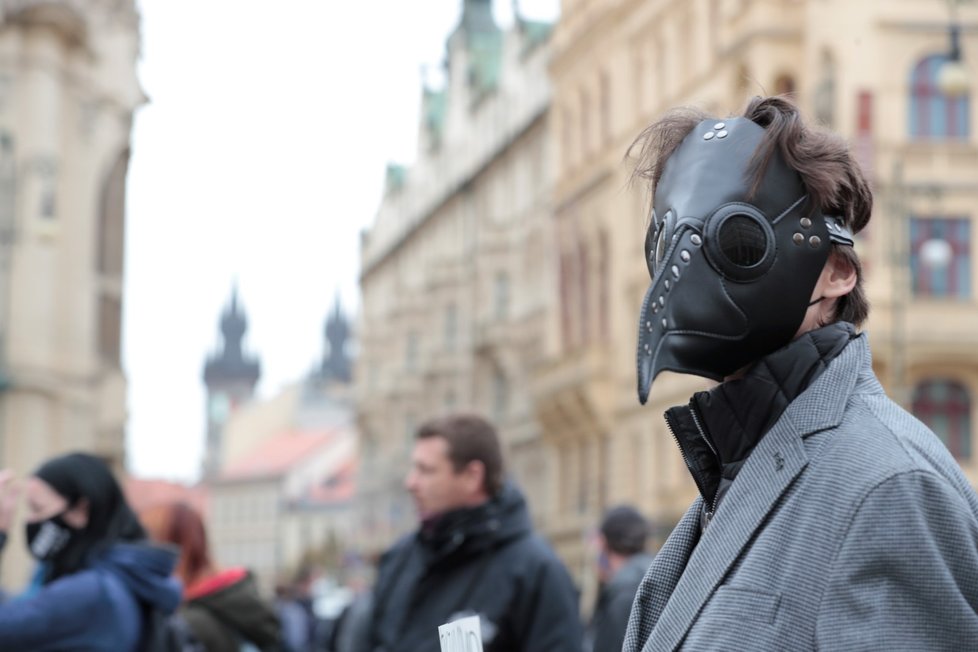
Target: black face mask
{"x": 47, "y": 539}
{"x": 732, "y": 273}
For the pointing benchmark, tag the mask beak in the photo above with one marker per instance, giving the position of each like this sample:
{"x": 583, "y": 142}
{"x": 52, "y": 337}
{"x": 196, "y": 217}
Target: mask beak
{"x": 647, "y": 345}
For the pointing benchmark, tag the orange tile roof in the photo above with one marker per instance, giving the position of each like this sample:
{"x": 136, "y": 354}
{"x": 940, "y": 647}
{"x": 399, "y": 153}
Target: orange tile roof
{"x": 276, "y": 455}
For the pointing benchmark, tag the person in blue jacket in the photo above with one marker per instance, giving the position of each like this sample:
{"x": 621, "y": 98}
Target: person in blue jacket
{"x": 98, "y": 580}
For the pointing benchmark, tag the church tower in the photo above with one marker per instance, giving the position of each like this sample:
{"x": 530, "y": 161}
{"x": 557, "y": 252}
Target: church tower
{"x": 230, "y": 376}
{"x": 336, "y": 365}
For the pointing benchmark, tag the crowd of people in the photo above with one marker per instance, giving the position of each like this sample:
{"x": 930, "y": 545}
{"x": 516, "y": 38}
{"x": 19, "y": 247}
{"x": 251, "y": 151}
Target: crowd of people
{"x": 828, "y": 518}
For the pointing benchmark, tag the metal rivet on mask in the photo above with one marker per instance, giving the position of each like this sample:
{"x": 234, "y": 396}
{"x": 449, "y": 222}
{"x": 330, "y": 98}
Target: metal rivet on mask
{"x": 722, "y": 134}
{"x": 662, "y": 301}
{"x": 663, "y": 322}
{"x": 655, "y": 308}
{"x": 805, "y": 223}
{"x": 648, "y": 326}
{"x": 675, "y": 271}
{"x": 708, "y": 135}
{"x": 798, "y": 238}
{"x": 814, "y": 241}
{"x": 696, "y": 239}
{"x": 648, "y": 348}
{"x": 684, "y": 255}
{"x": 668, "y": 284}
{"x": 719, "y": 125}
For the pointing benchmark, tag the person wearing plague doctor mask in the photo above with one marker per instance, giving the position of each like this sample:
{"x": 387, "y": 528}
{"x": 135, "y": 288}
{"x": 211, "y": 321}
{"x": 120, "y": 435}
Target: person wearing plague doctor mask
{"x": 97, "y": 580}
{"x": 828, "y": 517}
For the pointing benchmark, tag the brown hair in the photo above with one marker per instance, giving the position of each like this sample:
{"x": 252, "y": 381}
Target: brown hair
{"x": 470, "y": 438}
{"x": 831, "y": 175}
{"x": 181, "y": 525}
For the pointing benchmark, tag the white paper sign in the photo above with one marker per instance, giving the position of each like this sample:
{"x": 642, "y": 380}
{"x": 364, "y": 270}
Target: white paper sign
{"x": 462, "y": 635}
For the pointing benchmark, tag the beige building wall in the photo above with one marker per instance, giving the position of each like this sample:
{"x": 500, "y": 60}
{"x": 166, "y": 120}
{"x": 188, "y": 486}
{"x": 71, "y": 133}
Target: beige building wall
{"x": 457, "y": 273}
{"x": 244, "y": 526}
{"x": 68, "y": 90}
{"x": 268, "y": 522}
{"x": 255, "y": 422}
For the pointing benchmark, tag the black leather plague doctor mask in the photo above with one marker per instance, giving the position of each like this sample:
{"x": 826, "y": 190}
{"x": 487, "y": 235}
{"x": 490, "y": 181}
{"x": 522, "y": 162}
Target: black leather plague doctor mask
{"x": 732, "y": 273}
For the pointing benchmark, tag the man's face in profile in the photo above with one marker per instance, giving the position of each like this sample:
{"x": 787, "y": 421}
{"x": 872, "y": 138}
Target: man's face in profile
{"x": 432, "y": 481}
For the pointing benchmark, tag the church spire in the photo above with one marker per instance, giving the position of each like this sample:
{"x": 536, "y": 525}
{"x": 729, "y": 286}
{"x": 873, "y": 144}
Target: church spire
{"x": 336, "y": 363}
{"x": 230, "y": 365}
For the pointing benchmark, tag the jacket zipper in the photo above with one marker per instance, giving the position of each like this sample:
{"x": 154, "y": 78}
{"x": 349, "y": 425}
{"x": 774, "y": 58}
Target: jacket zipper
{"x": 693, "y": 469}
{"x": 709, "y": 444}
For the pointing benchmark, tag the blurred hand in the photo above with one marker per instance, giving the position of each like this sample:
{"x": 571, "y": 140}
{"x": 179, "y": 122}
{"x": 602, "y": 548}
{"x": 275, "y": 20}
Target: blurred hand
{"x": 9, "y": 493}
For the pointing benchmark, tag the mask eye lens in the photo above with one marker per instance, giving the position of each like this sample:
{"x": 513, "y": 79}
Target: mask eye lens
{"x": 742, "y": 240}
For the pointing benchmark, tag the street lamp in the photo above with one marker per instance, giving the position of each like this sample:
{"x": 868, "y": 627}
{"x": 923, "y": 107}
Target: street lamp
{"x": 936, "y": 254}
{"x": 952, "y": 78}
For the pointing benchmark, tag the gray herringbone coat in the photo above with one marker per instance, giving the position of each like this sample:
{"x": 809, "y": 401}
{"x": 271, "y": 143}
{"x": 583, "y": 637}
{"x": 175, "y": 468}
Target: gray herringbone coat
{"x": 850, "y": 527}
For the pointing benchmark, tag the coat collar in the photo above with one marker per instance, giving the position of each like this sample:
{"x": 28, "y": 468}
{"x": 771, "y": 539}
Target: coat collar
{"x": 777, "y": 460}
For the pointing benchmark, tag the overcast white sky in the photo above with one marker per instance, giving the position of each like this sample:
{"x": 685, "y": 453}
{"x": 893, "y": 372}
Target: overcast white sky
{"x": 259, "y": 157}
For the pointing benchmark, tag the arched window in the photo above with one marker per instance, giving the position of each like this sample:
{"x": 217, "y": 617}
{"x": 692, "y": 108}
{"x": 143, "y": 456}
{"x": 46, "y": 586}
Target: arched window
{"x": 824, "y": 96}
{"x": 945, "y": 406}
{"x": 932, "y": 113}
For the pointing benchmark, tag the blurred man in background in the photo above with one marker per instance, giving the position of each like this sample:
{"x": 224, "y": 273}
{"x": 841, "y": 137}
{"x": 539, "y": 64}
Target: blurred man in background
{"x": 622, "y": 562}
{"x": 474, "y": 554}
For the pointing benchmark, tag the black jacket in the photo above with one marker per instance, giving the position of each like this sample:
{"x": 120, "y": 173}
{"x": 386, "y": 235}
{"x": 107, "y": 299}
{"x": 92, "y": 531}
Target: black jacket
{"x": 485, "y": 561}
{"x": 614, "y": 605}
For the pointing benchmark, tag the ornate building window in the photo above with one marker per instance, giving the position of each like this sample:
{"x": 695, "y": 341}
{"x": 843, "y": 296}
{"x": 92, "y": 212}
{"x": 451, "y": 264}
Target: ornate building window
{"x": 411, "y": 352}
{"x": 584, "y": 291}
{"x": 585, "y": 115}
{"x": 932, "y": 113}
{"x": 451, "y": 327}
{"x": 605, "y": 100}
{"x": 945, "y": 406}
{"x": 604, "y": 288}
{"x": 824, "y": 95}
{"x": 500, "y": 296}
{"x": 500, "y": 396}
{"x": 940, "y": 257}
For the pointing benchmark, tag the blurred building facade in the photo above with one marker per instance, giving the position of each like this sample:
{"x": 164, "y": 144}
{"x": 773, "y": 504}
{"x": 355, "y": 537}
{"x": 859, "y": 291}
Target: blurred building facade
{"x": 457, "y": 273}
{"x": 68, "y": 90}
{"x": 577, "y": 439}
{"x": 281, "y": 490}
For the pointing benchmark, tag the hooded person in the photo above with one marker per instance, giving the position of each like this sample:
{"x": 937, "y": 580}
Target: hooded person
{"x": 98, "y": 579}
{"x": 222, "y": 607}
{"x": 828, "y": 517}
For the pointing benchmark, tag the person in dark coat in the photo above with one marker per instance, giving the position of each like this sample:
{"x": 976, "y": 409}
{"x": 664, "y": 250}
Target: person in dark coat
{"x": 622, "y": 562}
{"x": 222, "y": 608}
{"x": 474, "y": 554}
{"x": 98, "y": 578}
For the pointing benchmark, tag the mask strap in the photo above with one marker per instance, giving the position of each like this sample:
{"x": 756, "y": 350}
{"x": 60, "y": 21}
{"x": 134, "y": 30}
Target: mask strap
{"x": 838, "y": 233}
{"x": 818, "y": 300}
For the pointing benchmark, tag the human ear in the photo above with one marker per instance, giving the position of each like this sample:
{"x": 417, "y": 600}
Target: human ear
{"x": 838, "y": 277}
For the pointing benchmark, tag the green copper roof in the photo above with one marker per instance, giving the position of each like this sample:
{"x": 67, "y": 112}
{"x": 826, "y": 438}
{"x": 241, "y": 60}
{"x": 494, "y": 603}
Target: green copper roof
{"x": 536, "y": 33}
{"x": 485, "y": 61}
{"x": 433, "y": 106}
{"x": 396, "y": 175}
